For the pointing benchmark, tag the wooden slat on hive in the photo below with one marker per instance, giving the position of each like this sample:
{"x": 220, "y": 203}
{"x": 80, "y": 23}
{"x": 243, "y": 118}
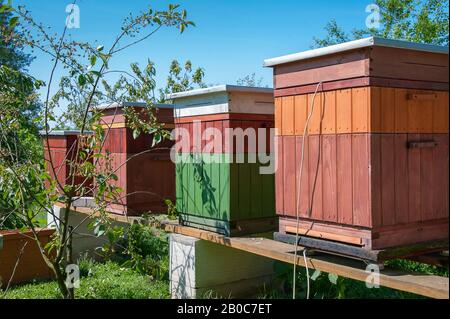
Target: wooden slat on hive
{"x": 426, "y": 285}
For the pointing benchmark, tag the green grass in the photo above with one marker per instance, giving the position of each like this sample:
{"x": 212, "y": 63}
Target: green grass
{"x": 321, "y": 287}
{"x": 99, "y": 281}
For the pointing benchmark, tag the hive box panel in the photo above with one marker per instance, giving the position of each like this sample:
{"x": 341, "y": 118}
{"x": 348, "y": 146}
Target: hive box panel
{"x": 215, "y": 191}
{"x": 60, "y": 148}
{"x": 364, "y": 109}
{"x": 361, "y": 63}
{"x": 375, "y": 151}
{"x": 366, "y": 181}
{"x": 145, "y": 174}
{"x": 211, "y": 131}
{"x": 221, "y": 196}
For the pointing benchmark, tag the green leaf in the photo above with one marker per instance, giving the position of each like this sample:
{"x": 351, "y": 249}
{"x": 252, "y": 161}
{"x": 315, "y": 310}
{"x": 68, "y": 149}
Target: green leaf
{"x": 104, "y": 58}
{"x": 100, "y": 48}
{"x": 81, "y": 80}
{"x": 136, "y": 134}
{"x": 100, "y": 230}
{"x": 93, "y": 59}
{"x": 5, "y": 8}
{"x": 96, "y": 73}
{"x": 157, "y": 138}
{"x": 13, "y": 22}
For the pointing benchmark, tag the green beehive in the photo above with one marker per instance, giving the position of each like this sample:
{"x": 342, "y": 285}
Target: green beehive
{"x": 224, "y": 171}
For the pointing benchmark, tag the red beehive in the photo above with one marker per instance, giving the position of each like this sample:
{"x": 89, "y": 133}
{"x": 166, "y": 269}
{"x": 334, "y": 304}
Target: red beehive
{"x": 146, "y": 175}
{"x": 375, "y": 170}
{"x": 215, "y": 190}
{"x": 63, "y": 148}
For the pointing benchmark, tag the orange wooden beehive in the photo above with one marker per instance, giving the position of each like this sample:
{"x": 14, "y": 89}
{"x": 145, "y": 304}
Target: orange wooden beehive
{"x": 376, "y": 152}
{"x": 60, "y": 147}
{"x": 145, "y": 174}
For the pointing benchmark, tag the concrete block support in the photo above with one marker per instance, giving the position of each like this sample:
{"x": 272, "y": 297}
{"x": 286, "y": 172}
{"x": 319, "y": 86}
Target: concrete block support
{"x": 199, "y": 268}
{"x": 84, "y": 241}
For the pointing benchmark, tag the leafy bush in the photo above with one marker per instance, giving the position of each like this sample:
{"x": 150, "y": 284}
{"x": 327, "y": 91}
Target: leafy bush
{"x": 418, "y": 267}
{"x": 148, "y": 251}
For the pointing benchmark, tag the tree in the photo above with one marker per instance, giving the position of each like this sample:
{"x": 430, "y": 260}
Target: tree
{"x": 11, "y": 51}
{"x": 19, "y": 107}
{"x": 182, "y": 79}
{"x": 250, "y": 80}
{"x": 422, "y": 21}
{"x": 12, "y": 55}
{"x": 20, "y": 148}
{"x": 89, "y": 65}
{"x": 124, "y": 89}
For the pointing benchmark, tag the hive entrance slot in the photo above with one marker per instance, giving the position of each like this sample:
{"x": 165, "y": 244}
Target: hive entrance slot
{"x": 357, "y": 241}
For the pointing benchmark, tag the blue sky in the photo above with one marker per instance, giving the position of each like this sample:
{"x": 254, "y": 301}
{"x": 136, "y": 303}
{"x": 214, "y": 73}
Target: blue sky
{"x": 231, "y": 39}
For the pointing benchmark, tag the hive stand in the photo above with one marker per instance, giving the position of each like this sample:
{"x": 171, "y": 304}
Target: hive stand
{"x": 199, "y": 269}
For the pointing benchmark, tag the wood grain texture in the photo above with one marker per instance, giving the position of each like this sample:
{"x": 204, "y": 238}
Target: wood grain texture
{"x": 409, "y": 64}
{"x": 303, "y": 183}
{"x": 352, "y": 69}
{"x": 223, "y": 136}
{"x": 344, "y": 111}
{"x": 388, "y": 179}
{"x": 361, "y": 180}
{"x": 20, "y": 245}
{"x": 365, "y": 180}
{"x": 60, "y": 157}
{"x": 289, "y": 175}
{"x": 288, "y": 116}
{"x": 407, "y": 183}
{"x": 216, "y": 189}
{"x": 329, "y": 113}
{"x": 344, "y": 179}
{"x": 329, "y": 179}
{"x": 401, "y": 179}
{"x": 315, "y": 147}
{"x": 279, "y": 176}
{"x": 379, "y": 62}
{"x": 301, "y": 113}
{"x": 362, "y": 82}
{"x": 335, "y": 181}
{"x": 145, "y": 174}
{"x": 365, "y": 110}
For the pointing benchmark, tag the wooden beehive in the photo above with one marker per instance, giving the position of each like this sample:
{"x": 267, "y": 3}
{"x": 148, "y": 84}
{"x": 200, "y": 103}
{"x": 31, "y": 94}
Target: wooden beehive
{"x": 215, "y": 191}
{"x": 60, "y": 147}
{"x": 376, "y": 154}
{"x": 146, "y": 175}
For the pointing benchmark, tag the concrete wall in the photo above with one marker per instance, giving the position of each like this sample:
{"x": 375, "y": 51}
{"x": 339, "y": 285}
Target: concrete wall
{"x": 198, "y": 268}
{"x": 84, "y": 241}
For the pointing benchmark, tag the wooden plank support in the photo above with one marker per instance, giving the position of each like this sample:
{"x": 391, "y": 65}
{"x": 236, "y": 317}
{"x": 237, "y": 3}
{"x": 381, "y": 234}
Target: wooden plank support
{"x": 329, "y": 246}
{"x": 371, "y": 255}
{"x": 425, "y": 285}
